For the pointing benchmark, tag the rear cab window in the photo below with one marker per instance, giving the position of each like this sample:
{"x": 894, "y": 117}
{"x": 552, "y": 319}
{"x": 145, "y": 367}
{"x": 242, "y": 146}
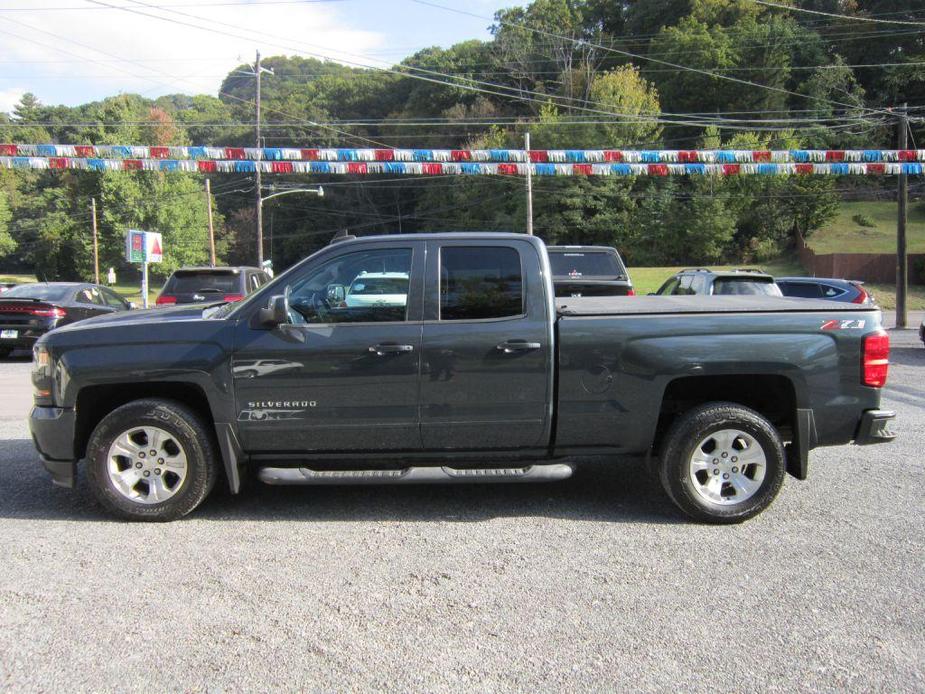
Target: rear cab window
{"x": 749, "y": 286}
{"x": 203, "y": 281}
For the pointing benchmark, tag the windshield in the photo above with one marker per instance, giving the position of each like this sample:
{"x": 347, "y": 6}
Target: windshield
{"x": 586, "y": 264}
{"x": 746, "y": 285}
{"x": 45, "y": 292}
{"x": 379, "y": 285}
{"x": 205, "y": 281}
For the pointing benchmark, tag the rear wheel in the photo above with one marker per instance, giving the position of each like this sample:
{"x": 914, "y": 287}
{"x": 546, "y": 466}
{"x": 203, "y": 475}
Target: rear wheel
{"x": 151, "y": 460}
{"x": 722, "y": 463}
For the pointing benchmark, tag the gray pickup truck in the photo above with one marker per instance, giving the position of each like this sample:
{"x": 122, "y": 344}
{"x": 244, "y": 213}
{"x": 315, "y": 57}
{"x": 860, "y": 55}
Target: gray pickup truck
{"x": 446, "y": 358}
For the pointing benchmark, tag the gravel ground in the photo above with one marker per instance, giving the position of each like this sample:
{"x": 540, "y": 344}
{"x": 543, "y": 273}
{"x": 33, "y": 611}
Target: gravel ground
{"x": 591, "y": 584}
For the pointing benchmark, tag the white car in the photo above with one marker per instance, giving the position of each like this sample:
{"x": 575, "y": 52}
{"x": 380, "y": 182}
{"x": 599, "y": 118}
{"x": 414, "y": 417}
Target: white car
{"x": 378, "y": 289}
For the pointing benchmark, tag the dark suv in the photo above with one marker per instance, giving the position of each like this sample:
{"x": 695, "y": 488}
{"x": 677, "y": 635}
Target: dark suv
{"x": 197, "y": 285}
{"x": 588, "y": 271}
{"x": 703, "y": 281}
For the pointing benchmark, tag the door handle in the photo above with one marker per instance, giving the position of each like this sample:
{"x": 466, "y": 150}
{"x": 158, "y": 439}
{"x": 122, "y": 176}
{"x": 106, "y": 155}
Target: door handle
{"x": 382, "y": 350}
{"x": 512, "y": 346}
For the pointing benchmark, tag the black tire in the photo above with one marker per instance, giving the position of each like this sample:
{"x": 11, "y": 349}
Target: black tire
{"x": 5, "y": 352}
{"x": 190, "y": 432}
{"x": 679, "y": 447}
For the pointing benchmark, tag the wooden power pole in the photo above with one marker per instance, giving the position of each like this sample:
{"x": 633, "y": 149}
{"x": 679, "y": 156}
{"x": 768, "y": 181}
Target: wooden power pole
{"x": 96, "y": 244}
{"x": 211, "y": 229}
{"x": 259, "y": 195}
{"x": 902, "y": 260}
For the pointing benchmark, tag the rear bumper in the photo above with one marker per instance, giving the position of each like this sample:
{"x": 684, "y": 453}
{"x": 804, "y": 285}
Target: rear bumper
{"x": 875, "y": 427}
{"x": 53, "y": 434}
{"x": 26, "y": 335}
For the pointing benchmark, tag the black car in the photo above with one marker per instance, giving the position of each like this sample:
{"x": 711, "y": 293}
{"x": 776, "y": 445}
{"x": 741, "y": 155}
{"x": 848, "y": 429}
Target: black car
{"x": 588, "y": 271}
{"x": 198, "y": 285}
{"x": 851, "y": 291}
{"x": 27, "y": 311}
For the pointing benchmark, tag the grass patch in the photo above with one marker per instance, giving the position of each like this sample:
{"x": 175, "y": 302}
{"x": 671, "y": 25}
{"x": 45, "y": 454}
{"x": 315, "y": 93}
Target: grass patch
{"x": 877, "y": 233}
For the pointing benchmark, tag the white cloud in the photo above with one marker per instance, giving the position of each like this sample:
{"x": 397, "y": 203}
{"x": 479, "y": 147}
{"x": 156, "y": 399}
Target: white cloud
{"x": 9, "y": 98}
{"x": 74, "y": 56}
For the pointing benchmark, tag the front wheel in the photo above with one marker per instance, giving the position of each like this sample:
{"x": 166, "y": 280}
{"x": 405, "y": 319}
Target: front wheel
{"x": 5, "y": 352}
{"x": 722, "y": 463}
{"x": 151, "y": 460}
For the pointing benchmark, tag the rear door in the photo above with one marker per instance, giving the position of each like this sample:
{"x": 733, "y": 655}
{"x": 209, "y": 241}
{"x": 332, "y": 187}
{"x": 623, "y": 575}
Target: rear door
{"x": 487, "y": 368}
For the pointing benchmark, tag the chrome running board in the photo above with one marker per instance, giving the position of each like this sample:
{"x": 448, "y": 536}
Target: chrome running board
{"x": 416, "y": 475}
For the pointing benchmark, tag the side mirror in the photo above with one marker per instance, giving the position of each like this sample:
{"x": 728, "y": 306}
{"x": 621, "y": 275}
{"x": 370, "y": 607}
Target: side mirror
{"x": 276, "y": 313}
{"x": 337, "y": 293}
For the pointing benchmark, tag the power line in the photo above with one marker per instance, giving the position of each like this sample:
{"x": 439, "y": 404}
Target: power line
{"x": 629, "y": 54}
{"x": 837, "y": 16}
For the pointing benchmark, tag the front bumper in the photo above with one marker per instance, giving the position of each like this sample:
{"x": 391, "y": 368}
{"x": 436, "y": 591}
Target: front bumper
{"x": 875, "y": 427}
{"x": 53, "y": 434}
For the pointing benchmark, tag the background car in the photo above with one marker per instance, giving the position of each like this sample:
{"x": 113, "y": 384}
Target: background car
{"x": 4, "y": 286}
{"x": 199, "y": 285}
{"x": 721, "y": 282}
{"x": 28, "y": 311}
{"x": 378, "y": 289}
{"x": 850, "y": 291}
{"x": 588, "y": 271}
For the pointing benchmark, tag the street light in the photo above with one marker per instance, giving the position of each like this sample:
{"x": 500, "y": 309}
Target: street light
{"x": 319, "y": 191}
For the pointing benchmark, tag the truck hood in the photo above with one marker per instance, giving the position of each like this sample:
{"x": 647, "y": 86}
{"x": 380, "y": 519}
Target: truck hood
{"x": 143, "y": 316}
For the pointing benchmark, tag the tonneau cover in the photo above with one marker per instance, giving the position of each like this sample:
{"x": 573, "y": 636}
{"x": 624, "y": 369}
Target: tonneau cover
{"x": 636, "y": 305}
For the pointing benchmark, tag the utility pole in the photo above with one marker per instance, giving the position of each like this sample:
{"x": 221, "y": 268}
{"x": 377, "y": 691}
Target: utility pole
{"x": 529, "y": 186}
{"x": 902, "y": 260}
{"x": 259, "y": 177}
{"x": 211, "y": 229}
{"x": 96, "y": 244}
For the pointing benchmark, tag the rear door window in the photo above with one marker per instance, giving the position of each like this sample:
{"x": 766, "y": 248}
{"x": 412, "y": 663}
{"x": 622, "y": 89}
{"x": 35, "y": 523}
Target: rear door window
{"x": 803, "y": 290}
{"x": 480, "y": 282}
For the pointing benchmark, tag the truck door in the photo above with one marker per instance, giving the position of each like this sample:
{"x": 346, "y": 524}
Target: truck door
{"x": 343, "y": 373}
{"x": 487, "y": 356}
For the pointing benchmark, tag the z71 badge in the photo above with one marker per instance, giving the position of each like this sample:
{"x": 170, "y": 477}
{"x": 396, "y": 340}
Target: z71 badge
{"x": 853, "y": 324}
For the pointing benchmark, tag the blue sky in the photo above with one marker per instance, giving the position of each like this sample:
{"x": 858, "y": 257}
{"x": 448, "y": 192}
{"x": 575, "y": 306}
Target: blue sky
{"x": 73, "y": 51}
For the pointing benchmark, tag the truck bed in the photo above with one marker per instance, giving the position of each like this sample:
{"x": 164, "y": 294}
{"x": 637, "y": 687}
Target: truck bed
{"x": 641, "y": 305}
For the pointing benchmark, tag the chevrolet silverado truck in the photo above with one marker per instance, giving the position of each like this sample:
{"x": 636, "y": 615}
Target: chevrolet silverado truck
{"x": 467, "y": 370}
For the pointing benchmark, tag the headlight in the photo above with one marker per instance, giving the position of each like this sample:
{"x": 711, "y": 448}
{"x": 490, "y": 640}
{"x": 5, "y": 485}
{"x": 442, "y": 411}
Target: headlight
{"x": 42, "y": 375}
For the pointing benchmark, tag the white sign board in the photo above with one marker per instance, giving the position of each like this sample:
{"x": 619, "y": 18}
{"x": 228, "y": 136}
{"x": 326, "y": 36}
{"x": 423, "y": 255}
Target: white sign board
{"x": 153, "y": 247}
{"x": 143, "y": 246}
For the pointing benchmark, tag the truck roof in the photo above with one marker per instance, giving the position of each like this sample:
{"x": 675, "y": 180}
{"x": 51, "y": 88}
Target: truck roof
{"x": 430, "y": 236}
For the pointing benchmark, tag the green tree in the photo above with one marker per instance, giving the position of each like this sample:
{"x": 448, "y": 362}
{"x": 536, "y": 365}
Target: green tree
{"x": 7, "y": 243}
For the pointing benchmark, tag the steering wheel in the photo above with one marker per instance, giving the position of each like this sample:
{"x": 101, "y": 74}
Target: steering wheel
{"x": 321, "y": 306}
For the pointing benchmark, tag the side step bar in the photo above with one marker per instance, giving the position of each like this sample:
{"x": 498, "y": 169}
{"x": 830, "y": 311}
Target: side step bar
{"x": 416, "y": 475}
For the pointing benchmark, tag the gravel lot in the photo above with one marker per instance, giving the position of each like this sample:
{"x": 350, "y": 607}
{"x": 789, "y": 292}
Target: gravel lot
{"x": 591, "y": 584}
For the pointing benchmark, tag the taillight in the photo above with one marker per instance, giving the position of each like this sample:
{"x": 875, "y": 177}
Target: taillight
{"x": 875, "y": 359}
{"x": 862, "y": 295}
{"x": 631, "y": 292}
{"x": 233, "y": 297}
{"x": 51, "y": 312}
{"x": 165, "y": 300}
